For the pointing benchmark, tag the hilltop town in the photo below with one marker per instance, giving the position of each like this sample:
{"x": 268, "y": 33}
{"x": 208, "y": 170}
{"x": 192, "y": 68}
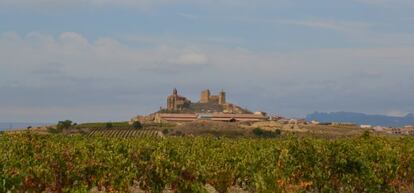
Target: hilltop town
{"x": 207, "y": 103}
{"x": 218, "y": 112}
{"x": 215, "y": 115}
{"x": 209, "y": 107}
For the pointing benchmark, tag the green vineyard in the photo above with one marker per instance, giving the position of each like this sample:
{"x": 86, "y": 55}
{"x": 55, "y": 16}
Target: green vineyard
{"x": 79, "y": 163}
{"x": 125, "y": 133}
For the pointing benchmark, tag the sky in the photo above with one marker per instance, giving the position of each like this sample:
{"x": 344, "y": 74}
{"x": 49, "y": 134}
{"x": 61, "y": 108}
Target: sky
{"x": 109, "y": 60}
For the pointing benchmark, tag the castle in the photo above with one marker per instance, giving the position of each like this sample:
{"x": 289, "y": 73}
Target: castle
{"x": 206, "y": 97}
{"x": 208, "y": 103}
{"x": 176, "y": 102}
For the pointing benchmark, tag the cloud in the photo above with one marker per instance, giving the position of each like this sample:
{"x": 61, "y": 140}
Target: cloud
{"x": 79, "y": 57}
{"x": 343, "y": 26}
{"x": 408, "y": 19}
{"x": 396, "y": 113}
{"x": 386, "y": 2}
{"x": 63, "y": 3}
{"x": 188, "y": 16}
{"x": 346, "y": 26}
{"x": 124, "y": 3}
{"x": 69, "y": 71}
{"x": 190, "y": 58}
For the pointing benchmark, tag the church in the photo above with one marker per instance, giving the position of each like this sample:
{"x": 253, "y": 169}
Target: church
{"x": 176, "y": 102}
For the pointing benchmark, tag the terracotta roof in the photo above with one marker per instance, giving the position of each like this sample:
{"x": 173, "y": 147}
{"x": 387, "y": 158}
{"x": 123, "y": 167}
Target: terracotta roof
{"x": 213, "y": 117}
{"x": 165, "y": 115}
{"x": 253, "y": 116}
{"x": 236, "y": 116}
{"x": 180, "y": 119}
{"x": 237, "y": 119}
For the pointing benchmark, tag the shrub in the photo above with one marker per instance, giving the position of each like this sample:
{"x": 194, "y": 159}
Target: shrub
{"x": 137, "y": 125}
{"x": 278, "y": 132}
{"x": 64, "y": 125}
{"x": 366, "y": 134}
{"x": 109, "y": 125}
{"x": 52, "y": 130}
{"x": 165, "y": 131}
{"x": 179, "y": 133}
{"x": 258, "y": 132}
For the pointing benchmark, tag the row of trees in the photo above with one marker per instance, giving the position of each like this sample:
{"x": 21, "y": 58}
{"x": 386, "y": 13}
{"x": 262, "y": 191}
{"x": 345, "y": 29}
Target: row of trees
{"x": 67, "y": 125}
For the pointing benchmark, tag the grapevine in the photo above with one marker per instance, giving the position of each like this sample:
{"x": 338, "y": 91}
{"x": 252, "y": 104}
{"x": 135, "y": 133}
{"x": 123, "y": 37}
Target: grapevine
{"x": 116, "y": 160}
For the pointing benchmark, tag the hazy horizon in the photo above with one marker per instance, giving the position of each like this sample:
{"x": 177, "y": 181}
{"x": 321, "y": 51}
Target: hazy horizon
{"x": 19, "y": 125}
{"x": 107, "y": 60}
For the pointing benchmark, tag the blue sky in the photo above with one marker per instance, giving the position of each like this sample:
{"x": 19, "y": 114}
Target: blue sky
{"x": 106, "y": 60}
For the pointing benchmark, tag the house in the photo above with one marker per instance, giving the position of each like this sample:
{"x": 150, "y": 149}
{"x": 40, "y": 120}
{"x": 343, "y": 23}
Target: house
{"x": 237, "y": 117}
{"x": 379, "y": 128}
{"x": 313, "y": 122}
{"x": 162, "y": 117}
{"x": 165, "y": 117}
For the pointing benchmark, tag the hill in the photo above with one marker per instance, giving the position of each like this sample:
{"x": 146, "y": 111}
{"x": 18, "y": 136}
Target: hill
{"x": 207, "y": 104}
{"x": 361, "y": 118}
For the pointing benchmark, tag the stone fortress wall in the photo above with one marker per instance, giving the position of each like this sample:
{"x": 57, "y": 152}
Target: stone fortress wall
{"x": 206, "y": 97}
{"x": 208, "y": 103}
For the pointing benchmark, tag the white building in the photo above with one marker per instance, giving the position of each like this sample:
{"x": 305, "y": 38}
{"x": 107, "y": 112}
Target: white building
{"x": 366, "y": 126}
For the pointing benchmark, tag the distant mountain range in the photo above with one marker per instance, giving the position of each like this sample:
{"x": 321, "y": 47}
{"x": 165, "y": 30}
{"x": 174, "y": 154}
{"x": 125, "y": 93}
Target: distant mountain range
{"x": 12, "y": 125}
{"x": 360, "y": 118}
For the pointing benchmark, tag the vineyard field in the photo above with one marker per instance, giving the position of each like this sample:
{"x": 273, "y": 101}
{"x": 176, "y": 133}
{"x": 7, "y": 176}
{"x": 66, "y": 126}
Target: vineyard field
{"x": 80, "y": 163}
{"x": 125, "y": 133}
{"x": 103, "y": 125}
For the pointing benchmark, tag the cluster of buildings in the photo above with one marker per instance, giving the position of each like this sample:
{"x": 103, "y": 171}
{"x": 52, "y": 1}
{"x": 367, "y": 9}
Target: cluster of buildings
{"x": 178, "y": 103}
{"x": 207, "y": 103}
{"x": 216, "y": 108}
{"x": 407, "y": 130}
{"x": 166, "y": 117}
{"x": 209, "y": 107}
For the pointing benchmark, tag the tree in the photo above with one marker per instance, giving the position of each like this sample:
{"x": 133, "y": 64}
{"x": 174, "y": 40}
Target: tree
{"x": 109, "y": 125}
{"x": 278, "y": 132}
{"x": 64, "y": 125}
{"x": 258, "y": 132}
{"x": 137, "y": 125}
{"x": 165, "y": 131}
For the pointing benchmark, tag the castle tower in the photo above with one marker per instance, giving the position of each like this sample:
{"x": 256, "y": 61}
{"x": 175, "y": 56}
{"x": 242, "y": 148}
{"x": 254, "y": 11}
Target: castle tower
{"x": 205, "y": 96}
{"x": 176, "y": 102}
{"x": 222, "y": 98}
{"x": 171, "y": 100}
